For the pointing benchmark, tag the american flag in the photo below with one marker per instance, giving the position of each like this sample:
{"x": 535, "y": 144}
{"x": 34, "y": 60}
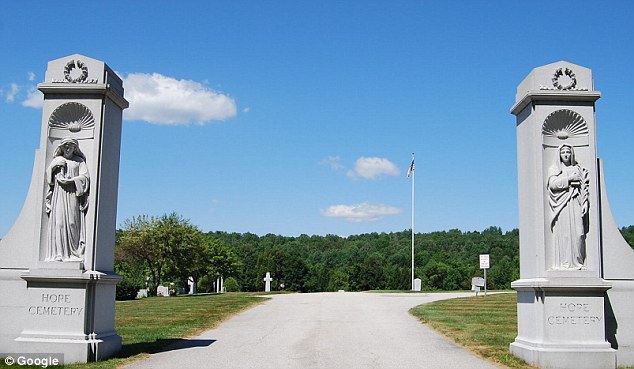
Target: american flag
{"x": 410, "y": 169}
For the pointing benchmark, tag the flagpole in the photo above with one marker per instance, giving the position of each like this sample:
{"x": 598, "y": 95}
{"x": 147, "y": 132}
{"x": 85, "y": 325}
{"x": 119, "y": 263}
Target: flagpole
{"x": 413, "y": 176}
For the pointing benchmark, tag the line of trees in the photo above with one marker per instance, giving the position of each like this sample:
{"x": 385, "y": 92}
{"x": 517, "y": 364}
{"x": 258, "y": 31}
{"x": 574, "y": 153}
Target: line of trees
{"x": 151, "y": 251}
{"x": 443, "y": 260}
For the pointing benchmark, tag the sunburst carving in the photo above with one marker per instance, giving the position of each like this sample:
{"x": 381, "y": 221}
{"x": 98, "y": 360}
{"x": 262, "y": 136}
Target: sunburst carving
{"x": 72, "y": 116}
{"x": 563, "y": 124}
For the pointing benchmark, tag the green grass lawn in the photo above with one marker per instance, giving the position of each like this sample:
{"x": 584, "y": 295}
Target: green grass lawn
{"x": 147, "y": 325}
{"x": 484, "y": 325}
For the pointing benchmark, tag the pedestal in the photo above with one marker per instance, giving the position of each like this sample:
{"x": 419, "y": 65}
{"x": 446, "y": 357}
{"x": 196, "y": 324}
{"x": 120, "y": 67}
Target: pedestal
{"x": 561, "y": 323}
{"x": 70, "y": 312}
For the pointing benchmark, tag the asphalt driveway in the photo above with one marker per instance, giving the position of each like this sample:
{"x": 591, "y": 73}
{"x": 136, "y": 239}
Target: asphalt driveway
{"x": 322, "y": 330}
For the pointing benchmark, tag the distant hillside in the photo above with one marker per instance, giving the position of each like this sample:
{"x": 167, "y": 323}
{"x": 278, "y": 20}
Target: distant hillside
{"x": 443, "y": 260}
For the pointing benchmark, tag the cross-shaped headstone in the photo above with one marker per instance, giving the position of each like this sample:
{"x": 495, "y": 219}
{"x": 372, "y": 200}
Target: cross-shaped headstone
{"x": 267, "y": 282}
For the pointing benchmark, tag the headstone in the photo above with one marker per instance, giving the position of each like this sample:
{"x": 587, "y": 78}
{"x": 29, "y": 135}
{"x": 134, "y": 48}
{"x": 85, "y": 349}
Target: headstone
{"x": 220, "y": 284}
{"x": 191, "y": 285}
{"x": 162, "y": 291}
{"x": 141, "y": 293}
{"x": 477, "y": 282}
{"x": 56, "y": 263}
{"x": 577, "y": 280}
{"x": 267, "y": 282}
{"x": 417, "y": 285}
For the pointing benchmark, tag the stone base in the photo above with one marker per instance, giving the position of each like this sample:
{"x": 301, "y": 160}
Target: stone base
{"x": 69, "y": 312}
{"x": 561, "y": 323}
{"x": 558, "y": 356}
{"x": 75, "y": 350}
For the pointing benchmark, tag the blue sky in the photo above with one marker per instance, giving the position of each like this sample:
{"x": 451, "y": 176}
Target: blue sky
{"x": 302, "y": 116}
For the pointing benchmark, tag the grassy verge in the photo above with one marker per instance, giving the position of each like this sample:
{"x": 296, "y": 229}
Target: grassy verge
{"x": 148, "y": 325}
{"x": 483, "y": 325}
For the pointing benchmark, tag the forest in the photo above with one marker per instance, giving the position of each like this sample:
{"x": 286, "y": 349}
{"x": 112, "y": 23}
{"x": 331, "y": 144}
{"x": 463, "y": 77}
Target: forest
{"x": 375, "y": 261}
{"x": 169, "y": 249}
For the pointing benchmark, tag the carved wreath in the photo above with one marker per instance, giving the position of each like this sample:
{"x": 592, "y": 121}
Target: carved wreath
{"x": 560, "y": 72}
{"x": 72, "y": 65}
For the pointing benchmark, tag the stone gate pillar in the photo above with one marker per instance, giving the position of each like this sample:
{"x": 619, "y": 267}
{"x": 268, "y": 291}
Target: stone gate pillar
{"x": 561, "y": 318}
{"x": 57, "y": 261}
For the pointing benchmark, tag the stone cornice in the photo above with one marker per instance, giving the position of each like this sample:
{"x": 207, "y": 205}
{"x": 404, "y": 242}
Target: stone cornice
{"x": 545, "y": 95}
{"x": 76, "y": 88}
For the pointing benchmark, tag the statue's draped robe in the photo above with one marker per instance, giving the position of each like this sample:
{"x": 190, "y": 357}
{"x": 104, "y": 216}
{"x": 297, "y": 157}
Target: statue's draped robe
{"x": 567, "y": 218}
{"x": 66, "y": 205}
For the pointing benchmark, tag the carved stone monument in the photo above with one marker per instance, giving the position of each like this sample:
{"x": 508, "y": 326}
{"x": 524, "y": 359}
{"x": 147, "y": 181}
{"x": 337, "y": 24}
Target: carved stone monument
{"x": 575, "y": 268}
{"x": 57, "y": 285}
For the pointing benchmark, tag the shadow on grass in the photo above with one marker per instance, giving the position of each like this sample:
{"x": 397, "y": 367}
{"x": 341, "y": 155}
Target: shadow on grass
{"x": 162, "y": 345}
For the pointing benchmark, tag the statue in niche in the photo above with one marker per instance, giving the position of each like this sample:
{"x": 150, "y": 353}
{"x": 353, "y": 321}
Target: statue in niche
{"x": 568, "y": 190}
{"x": 67, "y": 202}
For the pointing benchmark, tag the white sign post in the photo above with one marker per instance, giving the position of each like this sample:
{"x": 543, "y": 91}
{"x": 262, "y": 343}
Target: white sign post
{"x": 484, "y": 264}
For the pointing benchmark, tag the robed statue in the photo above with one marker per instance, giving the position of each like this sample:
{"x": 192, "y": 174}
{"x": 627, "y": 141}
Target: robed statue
{"x": 66, "y": 203}
{"x": 568, "y": 190}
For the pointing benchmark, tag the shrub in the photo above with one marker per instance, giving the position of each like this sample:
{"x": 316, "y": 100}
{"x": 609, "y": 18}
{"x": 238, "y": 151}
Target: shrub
{"x": 231, "y": 285}
{"x": 127, "y": 290}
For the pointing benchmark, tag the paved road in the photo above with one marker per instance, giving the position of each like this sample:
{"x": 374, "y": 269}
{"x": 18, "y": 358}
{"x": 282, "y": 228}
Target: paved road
{"x": 322, "y": 330}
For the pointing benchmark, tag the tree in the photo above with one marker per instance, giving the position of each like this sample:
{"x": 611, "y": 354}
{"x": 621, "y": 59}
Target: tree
{"x": 231, "y": 285}
{"x": 266, "y": 263}
{"x": 369, "y": 273}
{"x": 189, "y": 255}
{"x": 318, "y": 277}
{"x": 136, "y": 243}
{"x": 339, "y": 280}
{"x": 434, "y": 274}
{"x": 132, "y": 272}
{"x": 628, "y": 234}
{"x": 443, "y": 260}
{"x": 169, "y": 246}
{"x": 220, "y": 261}
{"x": 293, "y": 271}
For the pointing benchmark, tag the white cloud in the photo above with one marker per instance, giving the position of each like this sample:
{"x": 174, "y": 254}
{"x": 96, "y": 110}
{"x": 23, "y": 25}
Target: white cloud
{"x": 334, "y": 162}
{"x": 10, "y": 95}
{"x": 364, "y": 212}
{"x": 158, "y": 99}
{"x": 34, "y": 99}
{"x": 15, "y": 92}
{"x": 372, "y": 168}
